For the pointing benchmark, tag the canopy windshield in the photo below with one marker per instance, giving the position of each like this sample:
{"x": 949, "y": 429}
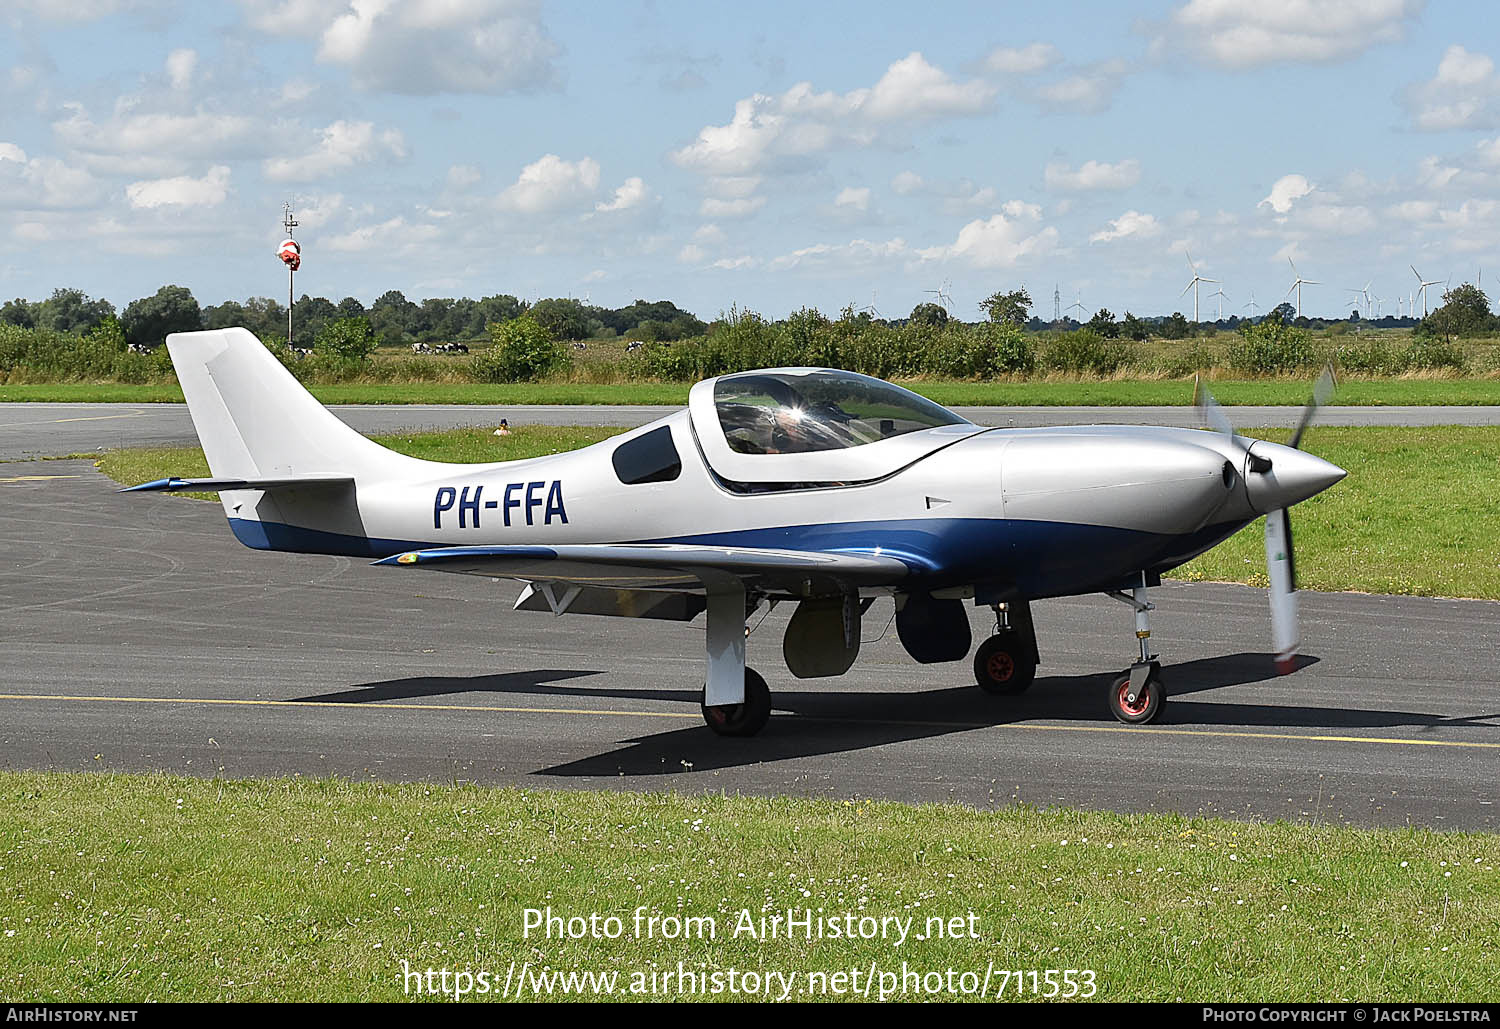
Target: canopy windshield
{"x": 795, "y": 412}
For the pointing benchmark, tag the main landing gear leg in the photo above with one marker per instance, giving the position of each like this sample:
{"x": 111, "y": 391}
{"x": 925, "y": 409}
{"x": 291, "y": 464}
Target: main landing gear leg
{"x": 1138, "y": 696}
{"x": 1005, "y": 664}
{"x": 736, "y": 700}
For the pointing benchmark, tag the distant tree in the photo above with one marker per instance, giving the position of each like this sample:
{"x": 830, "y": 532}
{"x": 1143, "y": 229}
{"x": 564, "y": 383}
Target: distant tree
{"x": 392, "y": 316}
{"x": 348, "y": 339}
{"x": 1010, "y": 308}
{"x": 1283, "y": 313}
{"x": 19, "y": 312}
{"x": 434, "y": 320}
{"x": 520, "y": 350}
{"x": 311, "y": 314}
{"x": 149, "y": 320}
{"x": 929, "y": 314}
{"x": 1176, "y": 327}
{"x": 562, "y": 317}
{"x": 1465, "y": 311}
{"x": 1104, "y": 323}
{"x": 499, "y": 308}
{"x": 227, "y": 315}
{"x": 1132, "y": 327}
{"x": 71, "y": 310}
{"x": 350, "y": 307}
{"x": 265, "y": 317}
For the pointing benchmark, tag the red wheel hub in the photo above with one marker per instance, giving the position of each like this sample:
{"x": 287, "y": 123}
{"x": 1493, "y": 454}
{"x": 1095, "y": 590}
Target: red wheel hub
{"x": 1141, "y": 700}
{"x": 1001, "y": 666}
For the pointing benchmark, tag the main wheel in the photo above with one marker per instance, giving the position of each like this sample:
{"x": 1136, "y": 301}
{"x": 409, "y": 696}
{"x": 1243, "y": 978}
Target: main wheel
{"x": 1148, "y": 703}
{"x": 1003, "y": 664}
{"x": 745, "y": 719}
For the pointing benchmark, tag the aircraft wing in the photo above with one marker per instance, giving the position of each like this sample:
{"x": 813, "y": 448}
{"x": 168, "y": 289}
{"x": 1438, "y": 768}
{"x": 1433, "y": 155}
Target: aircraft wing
{"x": 665, "y": 566}
{"x": 176, "y": 485}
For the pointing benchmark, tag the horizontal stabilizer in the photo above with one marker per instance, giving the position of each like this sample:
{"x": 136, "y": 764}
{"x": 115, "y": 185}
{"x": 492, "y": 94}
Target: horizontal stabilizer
{"x": 665, "y": 566}
{"x": 175, "y": 485}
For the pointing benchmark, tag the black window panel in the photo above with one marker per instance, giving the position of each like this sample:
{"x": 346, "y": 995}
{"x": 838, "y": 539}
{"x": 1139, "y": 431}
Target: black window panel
{"x": 648, "y": 458}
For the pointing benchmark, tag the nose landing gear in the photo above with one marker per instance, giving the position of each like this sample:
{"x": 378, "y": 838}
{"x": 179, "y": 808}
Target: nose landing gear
{"x": 1138, "y": 695}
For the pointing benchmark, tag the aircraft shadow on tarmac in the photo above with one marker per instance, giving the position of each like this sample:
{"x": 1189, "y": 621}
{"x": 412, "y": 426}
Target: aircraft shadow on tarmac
{"x": 421, "y": 688}
{"x": 832, "y": 720}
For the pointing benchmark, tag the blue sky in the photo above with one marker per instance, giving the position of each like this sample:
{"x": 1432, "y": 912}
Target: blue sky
{"x": 770, "y": 155}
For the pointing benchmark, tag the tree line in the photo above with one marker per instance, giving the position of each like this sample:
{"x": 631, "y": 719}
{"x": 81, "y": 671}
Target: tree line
{"x": 392, "y": 318}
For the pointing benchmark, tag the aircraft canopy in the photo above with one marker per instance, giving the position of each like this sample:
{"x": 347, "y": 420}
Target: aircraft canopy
{"x": 797, "y": 426}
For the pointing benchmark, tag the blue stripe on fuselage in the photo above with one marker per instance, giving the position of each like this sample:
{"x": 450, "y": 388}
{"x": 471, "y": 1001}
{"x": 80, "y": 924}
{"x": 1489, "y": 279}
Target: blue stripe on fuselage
{"x": 1036, "y": 559}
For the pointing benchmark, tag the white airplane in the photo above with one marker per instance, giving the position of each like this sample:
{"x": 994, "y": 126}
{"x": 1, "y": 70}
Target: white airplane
{"x": 807, "y": 485}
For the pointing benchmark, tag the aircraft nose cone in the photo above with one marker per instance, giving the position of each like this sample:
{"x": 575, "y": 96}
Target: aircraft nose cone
{"x": 1294, "y": 476}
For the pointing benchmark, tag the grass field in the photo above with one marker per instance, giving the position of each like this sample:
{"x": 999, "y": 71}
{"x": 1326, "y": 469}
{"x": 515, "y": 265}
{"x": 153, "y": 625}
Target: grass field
{"x": 158, "y": 888}
{"x": 1105, "y": 393}
{"x": 1415, "y": 515}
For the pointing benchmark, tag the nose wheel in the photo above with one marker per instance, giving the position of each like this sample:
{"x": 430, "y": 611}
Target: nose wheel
{"x": 1138, "y": 696}
{"x": 744, "y": 719}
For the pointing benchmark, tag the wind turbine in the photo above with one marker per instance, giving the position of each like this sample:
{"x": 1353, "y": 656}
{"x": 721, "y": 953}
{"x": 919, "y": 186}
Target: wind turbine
{"x": 1222, "y": 297}
{"x": 1363, "y": 293}
{"x": 941, "y": 293}
{"x": 1422, "y": 288}
{"x": 1194, "y": 285}
{"x": 1251, "y": 305}
{"x": 1298, "y": 284}
{"x": 1079, "y": 305}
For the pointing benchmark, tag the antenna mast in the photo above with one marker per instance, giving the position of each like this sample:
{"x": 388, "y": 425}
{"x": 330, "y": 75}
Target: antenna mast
{"x": 289, "y": 223}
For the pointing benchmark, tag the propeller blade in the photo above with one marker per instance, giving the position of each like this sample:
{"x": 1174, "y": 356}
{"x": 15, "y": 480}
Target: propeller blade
{"x": 1189, "y": 286}
{"x": 1322, "y": 391}
{"x": 1209, "y": 410}
{"x": 1281, "y": 570}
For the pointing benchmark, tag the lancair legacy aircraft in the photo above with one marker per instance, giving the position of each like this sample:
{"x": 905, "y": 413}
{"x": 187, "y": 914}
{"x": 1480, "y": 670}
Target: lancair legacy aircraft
{"x": 817, "y": 487}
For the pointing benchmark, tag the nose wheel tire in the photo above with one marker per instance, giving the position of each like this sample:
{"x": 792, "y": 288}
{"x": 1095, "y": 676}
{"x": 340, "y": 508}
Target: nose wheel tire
{"x": 745, "y": 719}
{"x": 1004, "y": 665}
{"x": 1148, "y": 704}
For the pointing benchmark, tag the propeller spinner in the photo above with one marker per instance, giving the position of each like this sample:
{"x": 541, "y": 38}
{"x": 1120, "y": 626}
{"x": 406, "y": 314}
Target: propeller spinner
{"x": 1276, "y": 477}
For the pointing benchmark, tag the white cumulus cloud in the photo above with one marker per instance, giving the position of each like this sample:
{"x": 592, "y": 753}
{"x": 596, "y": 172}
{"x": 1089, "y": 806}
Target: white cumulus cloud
{"x": 551, "y": 184}
{"x": 445, "y": 46}
{"x": 181, "y": 190}
{"x": 1287, "y": 191}
{"x": 1463, "y": 94}
{"x": 180, "y": 66}
{"x": 853, "y": 198}
{"x": 1001, "y": 241}
{"x": 767, "y": 130}
{"x": 1236, "y": 34}
{"x": 1092, "y": 175}
{"x": 342, "y": 145}
{"x": 1025, "y": 60}
{"x": 632, "y": 193}
{"x": 1131, "y": 224}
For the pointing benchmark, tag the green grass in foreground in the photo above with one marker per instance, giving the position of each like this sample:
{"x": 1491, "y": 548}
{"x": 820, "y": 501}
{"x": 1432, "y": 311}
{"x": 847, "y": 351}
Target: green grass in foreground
{"x": 1416, "y": 514}
{"x": 150, "y": 887}
{"x": 1107, "y": 393}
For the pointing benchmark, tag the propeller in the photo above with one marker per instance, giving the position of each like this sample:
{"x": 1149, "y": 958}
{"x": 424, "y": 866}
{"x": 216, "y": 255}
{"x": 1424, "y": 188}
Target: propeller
{"x": 1281, "y": 562}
